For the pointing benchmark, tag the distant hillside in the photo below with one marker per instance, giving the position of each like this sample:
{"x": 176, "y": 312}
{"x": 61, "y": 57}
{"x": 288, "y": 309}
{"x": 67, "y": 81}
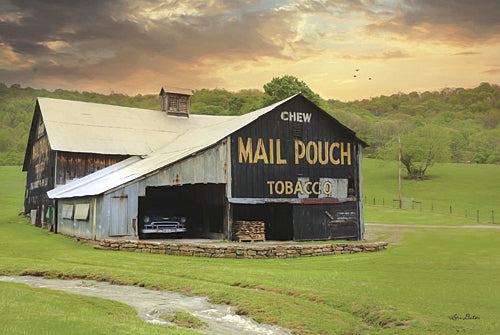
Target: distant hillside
{"x": 469, "y": 117}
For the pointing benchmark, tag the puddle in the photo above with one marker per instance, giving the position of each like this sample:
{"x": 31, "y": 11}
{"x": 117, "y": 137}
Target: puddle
{"x": 221, "y": 319}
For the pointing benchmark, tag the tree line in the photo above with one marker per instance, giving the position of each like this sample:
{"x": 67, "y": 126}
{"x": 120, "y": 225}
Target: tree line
{"x": 451, "y": 125}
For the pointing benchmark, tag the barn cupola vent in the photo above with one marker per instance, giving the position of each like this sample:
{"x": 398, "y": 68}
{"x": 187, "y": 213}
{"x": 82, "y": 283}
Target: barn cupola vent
{"x": 175, "y": 101}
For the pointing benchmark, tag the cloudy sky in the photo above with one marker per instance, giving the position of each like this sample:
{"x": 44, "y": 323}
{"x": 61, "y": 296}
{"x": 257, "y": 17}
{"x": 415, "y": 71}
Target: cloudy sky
{"x": 135, "y": 46}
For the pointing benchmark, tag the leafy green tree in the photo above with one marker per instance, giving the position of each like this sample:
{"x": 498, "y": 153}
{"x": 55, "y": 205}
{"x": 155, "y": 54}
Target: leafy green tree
{"x": 5, "y": 140}
{"x": 421, "y": 148}
{"x": 473, "y": 115}
{"x": 485, "y": 146}
{"x": 280, "y": 88}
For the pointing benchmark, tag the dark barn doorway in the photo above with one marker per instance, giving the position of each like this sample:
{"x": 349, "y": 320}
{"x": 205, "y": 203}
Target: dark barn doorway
{"x": 278, "y": 218}
{"x": 202, "y": 205}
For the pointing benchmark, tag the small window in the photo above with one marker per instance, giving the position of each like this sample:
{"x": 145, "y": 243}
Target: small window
{"x": 173, "y": 103}
{"x": 82, "y": 212}
{"x": 67, "y": 211}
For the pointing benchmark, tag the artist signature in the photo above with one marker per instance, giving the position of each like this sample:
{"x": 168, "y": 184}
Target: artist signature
{"x": 467, "y": 316}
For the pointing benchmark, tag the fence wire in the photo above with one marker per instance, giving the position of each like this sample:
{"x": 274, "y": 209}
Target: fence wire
{"x": 481, "y": 216}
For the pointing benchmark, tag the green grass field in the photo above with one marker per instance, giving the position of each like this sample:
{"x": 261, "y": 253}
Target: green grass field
{"x": 464, "y": 187}
{"x": 27, "y": 310}
{"x": 427, "y": 276}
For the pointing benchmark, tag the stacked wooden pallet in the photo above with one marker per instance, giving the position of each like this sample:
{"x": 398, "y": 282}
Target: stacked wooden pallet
{"x": 249, "y": 231}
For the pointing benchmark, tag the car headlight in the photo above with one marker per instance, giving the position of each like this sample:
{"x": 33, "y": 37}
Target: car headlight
{"x": 146, "y": 219}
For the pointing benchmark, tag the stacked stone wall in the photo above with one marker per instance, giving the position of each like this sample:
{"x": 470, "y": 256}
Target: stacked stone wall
{"x": 241, "y": 251}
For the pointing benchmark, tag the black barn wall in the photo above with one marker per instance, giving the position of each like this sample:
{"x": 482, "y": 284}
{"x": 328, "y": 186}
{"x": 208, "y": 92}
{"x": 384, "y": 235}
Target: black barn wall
{"x": 298, "y": 143}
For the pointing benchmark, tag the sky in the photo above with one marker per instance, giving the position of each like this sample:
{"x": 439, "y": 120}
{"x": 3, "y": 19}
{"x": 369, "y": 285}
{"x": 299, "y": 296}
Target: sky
{"x": 342, "y": 49}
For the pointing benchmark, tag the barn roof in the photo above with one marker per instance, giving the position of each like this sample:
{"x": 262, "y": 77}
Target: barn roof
{"x": 76, "y": 126}
{"x": 176, "y": 90}
{"x": 183, "y": 143}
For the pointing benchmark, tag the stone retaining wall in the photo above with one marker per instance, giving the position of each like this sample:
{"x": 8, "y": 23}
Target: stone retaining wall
{"x": 241, "y": 251}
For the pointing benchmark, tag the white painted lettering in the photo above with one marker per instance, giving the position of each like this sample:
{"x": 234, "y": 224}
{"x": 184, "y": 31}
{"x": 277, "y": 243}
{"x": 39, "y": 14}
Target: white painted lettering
{"x": 296, "y": 116}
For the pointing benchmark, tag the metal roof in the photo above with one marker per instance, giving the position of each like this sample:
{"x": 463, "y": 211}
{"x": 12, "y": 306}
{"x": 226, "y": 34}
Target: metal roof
{"x": 177, "y": 90}
{"x": 106, "y": 129}
{"x": 179, "y": 146}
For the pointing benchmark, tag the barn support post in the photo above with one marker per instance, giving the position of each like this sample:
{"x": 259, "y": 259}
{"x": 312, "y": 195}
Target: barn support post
{"x": 228, "y": 225}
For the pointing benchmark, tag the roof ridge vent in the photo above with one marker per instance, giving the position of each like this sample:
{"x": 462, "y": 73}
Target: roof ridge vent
{"x": 175, "y": 100}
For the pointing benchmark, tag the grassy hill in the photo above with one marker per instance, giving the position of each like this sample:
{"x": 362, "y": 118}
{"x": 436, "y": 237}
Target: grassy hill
{"x": 464, "y": 187}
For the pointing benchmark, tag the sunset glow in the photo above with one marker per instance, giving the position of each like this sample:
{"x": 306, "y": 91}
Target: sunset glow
{"x": 134, "y": 47}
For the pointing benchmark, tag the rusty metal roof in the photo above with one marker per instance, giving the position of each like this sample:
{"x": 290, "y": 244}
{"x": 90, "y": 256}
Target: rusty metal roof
{"x": 183, "y": 144}
{"x": 106, "y": 129}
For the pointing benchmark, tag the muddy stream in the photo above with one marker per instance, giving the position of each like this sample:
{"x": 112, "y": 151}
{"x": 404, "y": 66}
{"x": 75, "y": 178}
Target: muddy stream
{"x": 221, "y": 319}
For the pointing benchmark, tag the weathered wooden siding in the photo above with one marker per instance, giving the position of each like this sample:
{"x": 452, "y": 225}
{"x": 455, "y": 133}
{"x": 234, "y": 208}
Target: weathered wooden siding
{"x": 325, "y": 221}
{"x": 46, "y": 168}
{"x": 276, "y": 153}
{"x": 104, "y": 213}
{"x": 176, "y": 104}
{"x": 39, "y": 165}
{"x": 297, "y": 154}
{"x": 72, "y": 165}
{"x": 72, "y": 225}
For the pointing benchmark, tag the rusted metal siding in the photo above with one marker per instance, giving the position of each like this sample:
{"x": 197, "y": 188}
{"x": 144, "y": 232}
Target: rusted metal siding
{"x": 109, "y": 216}
{"x": 70, "y": 225}
{"x": 71, "y": 165}
{"x": 208, "y": 166}
{"x": 120, "y": 211}
{"x": 118, "y": 219}
{"x": 114, "y": 214}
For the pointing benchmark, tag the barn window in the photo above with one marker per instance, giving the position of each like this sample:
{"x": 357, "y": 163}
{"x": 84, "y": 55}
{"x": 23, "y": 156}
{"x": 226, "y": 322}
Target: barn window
{"x": 82, "y": 212}
{"x": 173, "y": 103}
{"x": 67, "y": 211}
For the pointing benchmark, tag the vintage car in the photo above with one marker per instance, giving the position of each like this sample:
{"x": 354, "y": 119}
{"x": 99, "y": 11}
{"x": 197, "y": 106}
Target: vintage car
{"x": 155, "y": 223}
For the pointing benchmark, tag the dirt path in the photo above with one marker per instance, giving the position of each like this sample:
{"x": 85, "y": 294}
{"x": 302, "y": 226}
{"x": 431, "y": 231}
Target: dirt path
{"x": 149, "y": 304}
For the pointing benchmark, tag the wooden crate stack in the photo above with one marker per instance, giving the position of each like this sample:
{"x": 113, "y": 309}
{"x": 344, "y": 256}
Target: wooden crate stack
{"x": 250, "y": 231}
